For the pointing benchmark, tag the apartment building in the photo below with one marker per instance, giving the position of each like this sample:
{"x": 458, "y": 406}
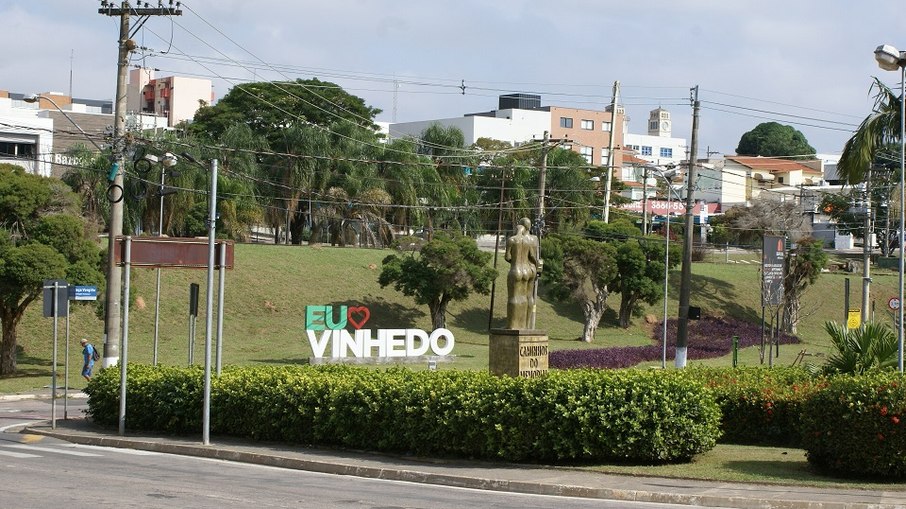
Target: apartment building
{"x": 175, "y": 98}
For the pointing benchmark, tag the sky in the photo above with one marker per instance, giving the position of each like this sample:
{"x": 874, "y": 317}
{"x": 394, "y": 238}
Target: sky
{"x": 804, "y": 63}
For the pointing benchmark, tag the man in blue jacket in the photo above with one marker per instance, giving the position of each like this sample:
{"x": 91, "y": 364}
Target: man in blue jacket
{"x": 88, "y": 357}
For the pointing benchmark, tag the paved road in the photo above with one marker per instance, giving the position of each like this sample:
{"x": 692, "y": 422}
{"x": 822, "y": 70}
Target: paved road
{"x": 38, "y": 471}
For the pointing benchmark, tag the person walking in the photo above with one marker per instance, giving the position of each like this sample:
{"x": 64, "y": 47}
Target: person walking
{"x": 88, "y": 358}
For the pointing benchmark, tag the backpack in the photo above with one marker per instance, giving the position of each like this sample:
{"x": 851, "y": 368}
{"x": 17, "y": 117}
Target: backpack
{"x": 95, "y": 355}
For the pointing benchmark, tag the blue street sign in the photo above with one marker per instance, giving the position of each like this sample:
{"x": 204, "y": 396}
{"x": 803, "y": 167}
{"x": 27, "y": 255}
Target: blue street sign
{"x": 83, "y": 293}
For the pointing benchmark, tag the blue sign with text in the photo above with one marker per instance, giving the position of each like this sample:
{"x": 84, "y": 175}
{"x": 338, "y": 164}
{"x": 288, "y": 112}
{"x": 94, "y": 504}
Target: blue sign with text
{"x": 83, "y": 293}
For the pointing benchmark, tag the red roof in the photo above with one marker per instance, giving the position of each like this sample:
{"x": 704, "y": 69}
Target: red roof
{"x": 772, "y": 164}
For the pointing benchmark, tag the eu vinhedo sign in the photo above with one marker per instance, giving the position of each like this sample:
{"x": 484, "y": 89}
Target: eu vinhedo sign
{"x": 327, "y": 328}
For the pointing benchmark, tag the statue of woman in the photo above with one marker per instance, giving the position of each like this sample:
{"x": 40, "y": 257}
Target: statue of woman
{"x": 522, "y": 253}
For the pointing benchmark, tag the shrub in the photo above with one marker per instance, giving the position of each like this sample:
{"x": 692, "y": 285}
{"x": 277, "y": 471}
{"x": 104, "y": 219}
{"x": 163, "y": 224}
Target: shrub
{"x": 759, "y": 405}
{"x": 855, "y": 425}
{"x": 873, "y": 345}
{"x": 581, "y": 415}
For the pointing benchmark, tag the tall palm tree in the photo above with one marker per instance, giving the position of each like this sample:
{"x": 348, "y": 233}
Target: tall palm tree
{"x": 874, "y": 136}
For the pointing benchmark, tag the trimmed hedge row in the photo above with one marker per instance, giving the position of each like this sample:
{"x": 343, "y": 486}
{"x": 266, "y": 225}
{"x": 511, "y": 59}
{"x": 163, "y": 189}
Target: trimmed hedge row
{"x": 857, "y": 425}
{"x": 577, "y": 415}
{"x": 760, "y": 406}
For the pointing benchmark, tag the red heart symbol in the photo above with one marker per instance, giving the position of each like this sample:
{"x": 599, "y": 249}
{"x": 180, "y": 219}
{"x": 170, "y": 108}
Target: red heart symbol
{"x": 357, "y": 316}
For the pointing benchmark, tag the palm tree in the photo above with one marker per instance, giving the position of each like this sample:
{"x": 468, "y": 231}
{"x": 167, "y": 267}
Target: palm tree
{"x": 873, "y": 345}
{"x": 873, "y": 137}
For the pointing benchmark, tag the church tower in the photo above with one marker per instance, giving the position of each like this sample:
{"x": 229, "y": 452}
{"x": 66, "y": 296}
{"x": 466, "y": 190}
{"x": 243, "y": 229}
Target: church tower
{"x": 659, "y": 123}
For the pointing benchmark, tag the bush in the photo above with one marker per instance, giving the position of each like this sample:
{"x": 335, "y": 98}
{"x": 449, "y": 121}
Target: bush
{"x": 759, "y": 406}
{"x": 581, "y": 415}
{"x": 855, "y": 425}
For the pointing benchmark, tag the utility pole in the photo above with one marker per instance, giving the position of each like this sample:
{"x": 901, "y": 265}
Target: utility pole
{"x": 866, "y": 253}
{"x": 682, "y": 328}
{"x": 645, "y": 201}
{"x": 539, "y": 220}
{"x": 113, "y": 321}
{"x": 610, "y": 158}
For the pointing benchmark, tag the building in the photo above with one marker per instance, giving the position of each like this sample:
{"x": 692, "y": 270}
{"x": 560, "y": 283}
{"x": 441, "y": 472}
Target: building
{"x": 174, "y": 98}
{"x": 37, "y": 135}
{"x": 658, "y": 147}
{"x": 521, "y": 118}
{"x": 741, "y": 179}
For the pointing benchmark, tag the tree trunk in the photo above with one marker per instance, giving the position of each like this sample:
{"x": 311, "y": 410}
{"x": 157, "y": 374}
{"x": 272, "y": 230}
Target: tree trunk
{"x": 8, "y": 345}
{"x": 791, "y": 310}
{"x": 593, "y": 310}
{"x": 438, "y": 311}
{"x": 626, "y": 305}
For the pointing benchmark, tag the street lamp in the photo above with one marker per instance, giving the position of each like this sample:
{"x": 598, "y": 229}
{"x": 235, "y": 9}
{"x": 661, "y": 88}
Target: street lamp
{"x": 169, "y": 161}
{"x": 891, "y": 59}
{"x": 667, "y": 175}
{"x": 33, "y": 98}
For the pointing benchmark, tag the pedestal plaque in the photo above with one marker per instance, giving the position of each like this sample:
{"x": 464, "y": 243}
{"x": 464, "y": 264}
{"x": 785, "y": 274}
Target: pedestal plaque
{"x": 518, "y": 352}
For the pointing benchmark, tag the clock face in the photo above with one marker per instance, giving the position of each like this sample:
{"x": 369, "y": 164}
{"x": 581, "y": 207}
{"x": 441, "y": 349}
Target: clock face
{"x": 665, "y": 125}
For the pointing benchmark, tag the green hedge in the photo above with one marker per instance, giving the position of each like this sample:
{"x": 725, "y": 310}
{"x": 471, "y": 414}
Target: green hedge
{"x": 855, "y": 425}
{"x": 759, "y": 406}
{"x": 577, "y": 415}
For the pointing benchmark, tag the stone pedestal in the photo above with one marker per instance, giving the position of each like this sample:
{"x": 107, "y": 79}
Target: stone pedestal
{"x": 518, "y": 352}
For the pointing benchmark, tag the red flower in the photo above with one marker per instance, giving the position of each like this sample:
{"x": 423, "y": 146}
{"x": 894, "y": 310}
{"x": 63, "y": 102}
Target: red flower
{"x": 884, "y": 410}
{"x": 881, "y": 437}
{"x": 895, "y": 419}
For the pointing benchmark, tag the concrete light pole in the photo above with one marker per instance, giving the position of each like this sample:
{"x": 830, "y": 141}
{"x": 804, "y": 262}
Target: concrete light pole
{"x": 890, "y": 59}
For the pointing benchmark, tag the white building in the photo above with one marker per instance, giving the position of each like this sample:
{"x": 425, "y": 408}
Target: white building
{"x": 26, "y": 139}
{"x": 658, "y": 147}
{"x": 515, "y": 126}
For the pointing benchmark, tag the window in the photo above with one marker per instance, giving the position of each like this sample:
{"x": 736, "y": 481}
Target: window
{"x": 652, "y": 125}
{"x": 633, "y": 147}
{"x": 587, "y": 153}
{"x": 780, "y": 180}
{"x": 646, "y": 151}
{"x": 588, "y": 125}
{"x": 605, "y": 126}
{"x": 566, "y": 147}
{"x": 566, "y": 122}
{"x": 666, "y": 152}
{"x": 605, "y": 157}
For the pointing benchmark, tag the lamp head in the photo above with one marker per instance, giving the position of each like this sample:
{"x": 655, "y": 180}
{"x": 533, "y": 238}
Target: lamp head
{"x": 31, "y": 98}
{"x": 888, "y": 57}
{"x": 169, "y": 160}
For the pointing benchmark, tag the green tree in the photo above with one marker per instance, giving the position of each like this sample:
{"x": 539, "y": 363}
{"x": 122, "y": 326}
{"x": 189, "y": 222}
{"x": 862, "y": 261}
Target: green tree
{"x": 771, "y": 139}
{"x": 269, "y": 107}
{"x": 578, "y": 270}
{"x": 448, "y": 268}
{"x": 47, "y": 242}
{"x": 804, "y": 264}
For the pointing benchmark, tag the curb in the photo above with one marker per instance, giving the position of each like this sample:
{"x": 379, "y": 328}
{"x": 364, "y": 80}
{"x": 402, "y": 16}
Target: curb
{"x": 409, "y": 475}
{"x": 23, "y": 397}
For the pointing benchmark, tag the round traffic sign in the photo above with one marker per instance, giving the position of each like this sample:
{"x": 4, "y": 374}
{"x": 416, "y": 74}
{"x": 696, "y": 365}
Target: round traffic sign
{"x": 893, "y": 303}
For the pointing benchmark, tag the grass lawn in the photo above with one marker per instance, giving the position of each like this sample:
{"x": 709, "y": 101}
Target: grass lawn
{"x": 266, "y": 294}
{"x": 750, "y": 464}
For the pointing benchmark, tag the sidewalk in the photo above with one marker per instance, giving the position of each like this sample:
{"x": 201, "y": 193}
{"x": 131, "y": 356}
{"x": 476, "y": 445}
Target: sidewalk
{"x": 484, "y": 475}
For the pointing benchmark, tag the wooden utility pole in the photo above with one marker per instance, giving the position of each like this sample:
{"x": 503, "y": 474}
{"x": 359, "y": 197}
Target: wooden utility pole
{"x": 611, "y": 146}
{"x": 682, "y": 328}
{"x": 113, "y": 322}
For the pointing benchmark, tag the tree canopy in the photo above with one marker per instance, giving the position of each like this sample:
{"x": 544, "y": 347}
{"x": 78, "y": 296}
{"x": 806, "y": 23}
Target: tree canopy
{"x": 269, "y": 107}
{"x": 448, "y": 268}
{"x": 41, "y": 237}
{"x": 770, "y": 139}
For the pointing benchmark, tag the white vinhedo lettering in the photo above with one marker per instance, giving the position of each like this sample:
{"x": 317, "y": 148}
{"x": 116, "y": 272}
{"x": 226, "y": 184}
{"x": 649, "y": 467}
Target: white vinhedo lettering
{"x": 388, "y": 343}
